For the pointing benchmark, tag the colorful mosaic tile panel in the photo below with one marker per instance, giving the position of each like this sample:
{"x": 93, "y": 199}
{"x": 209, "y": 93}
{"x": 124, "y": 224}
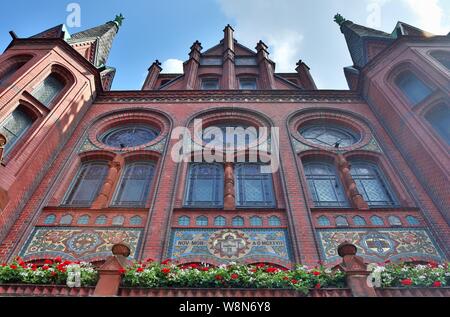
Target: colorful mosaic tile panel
{"x": 380, "y": 245}
{"x": 78, "y": 243}
{"x": 230, "y": 244}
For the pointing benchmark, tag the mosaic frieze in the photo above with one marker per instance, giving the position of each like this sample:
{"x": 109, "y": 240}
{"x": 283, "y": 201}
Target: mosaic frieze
{"x": 78, "y": 243}
{"x": 380, "y": 245}
{"x": 230, "y": 244}
{"x": 372, "y": 146}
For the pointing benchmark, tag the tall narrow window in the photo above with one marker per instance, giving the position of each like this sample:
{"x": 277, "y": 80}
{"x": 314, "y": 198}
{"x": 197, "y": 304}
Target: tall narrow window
{"x": 324, "y": 185}
{"x": 372, "y": 184}
{"x": 443, "y": 57}
{"x": 201, "y": 221}
{"x": 205, "y": 185}
{"x": 413, "y": 88}
{"x": 274, "y": 221}
{"x": 134, "y": 184}
{"x": 220, "y": 221}
{"x": 87, "y": 183}
{"x": 237, "y": 221}
{"x": 15, "y": 126}
{"x": 439, "y": 118}
{"x": 49, "y": 89}
{"x": 253, "y": 188}
{"x": 256, "y": 221}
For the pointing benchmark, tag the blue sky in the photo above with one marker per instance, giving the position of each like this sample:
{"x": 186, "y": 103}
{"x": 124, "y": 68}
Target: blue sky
{"x": 165, "y": 30}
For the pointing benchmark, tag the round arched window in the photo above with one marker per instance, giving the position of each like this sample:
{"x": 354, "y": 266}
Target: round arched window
{"x": 329, "y": 135}
{"x": 129, "y": 136}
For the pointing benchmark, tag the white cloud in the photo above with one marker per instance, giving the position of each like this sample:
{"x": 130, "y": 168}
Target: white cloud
{"x": 430, "y": 15}
{"x": 172, "y": 65}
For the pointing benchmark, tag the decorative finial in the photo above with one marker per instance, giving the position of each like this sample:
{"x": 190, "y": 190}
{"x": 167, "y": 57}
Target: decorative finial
{"x": 157, "y": 63}
{"x": 339, "y": 19}
{"x": 119, "y": 20}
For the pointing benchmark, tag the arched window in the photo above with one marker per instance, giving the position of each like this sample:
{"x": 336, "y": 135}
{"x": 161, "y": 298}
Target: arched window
{"x": 253, "y": 188}
{"x": 87, "y": 183}
{"x": 205, "y": 185}
{"x": 323, "y": 221}
{"x": 238, "y": 221}
{"x": 412, "y": 87}
{"x": 184, "y": 221}
{"x": 15, "y": 126}
{"x": 49, "y": 89}
{"x": 256, "y": 221}
{"x": 274, "y": 221}
{"x": 118, "y": 221}
{"x": 443, "y": 57}
{"x": 230, "y": 136}
{"x": 10, "y": 71}
{"x": 439, "y": 118}
{"x": 134, "y": 184}
{"x": 324, "y": 185}
{"x": 413, "y": 221}
{"x": 376, "y": 221}
{"x": 220, "y": 221}
{"x": 100, "y": 220}
{"x": 83, "y": 220}
{"x": 129, "y": 136}
{"x": 329, "y": 135}
{"x": 66, "y": 220}
{"x": 395, "y": 221}
{"x": 341, "y": 221}
{"x": 136, "y": 221}
{"x": 201, "y": 221}
{"x": 359, "y": 221}
{"x": 50, "y": 219}
{"x": 372, "y": 184}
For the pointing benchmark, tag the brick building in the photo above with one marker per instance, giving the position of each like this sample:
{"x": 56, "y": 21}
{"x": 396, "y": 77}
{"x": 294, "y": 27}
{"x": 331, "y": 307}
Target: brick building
{"x": 85, "y": 167}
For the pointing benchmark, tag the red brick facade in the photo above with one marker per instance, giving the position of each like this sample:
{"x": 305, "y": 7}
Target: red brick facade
{"x": 38, "y": 172}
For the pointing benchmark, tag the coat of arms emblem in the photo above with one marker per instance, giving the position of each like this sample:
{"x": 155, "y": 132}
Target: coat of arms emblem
{"x": 229, "y": 244}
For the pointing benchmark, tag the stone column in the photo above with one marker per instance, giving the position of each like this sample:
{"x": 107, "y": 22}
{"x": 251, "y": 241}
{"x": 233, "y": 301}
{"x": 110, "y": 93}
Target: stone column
{"x": 229, "y": 201}
{"x": 109, "y": 273}
{"x": 350, "y": 185}
{"x": 355, "y": 270}
{"x": 110, "y": 182}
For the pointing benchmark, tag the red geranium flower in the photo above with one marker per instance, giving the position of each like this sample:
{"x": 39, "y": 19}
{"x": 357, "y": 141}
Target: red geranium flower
{"x": 294, "y": 281}
{"x": 49, "y": 262}
{"x": 149, "y": 260}
{"x": 234, "y": 276}
{"x": 34, "y": 267}
{"x": 165, "y": 270}
{"x": 45, "y": 267}
{"x": 58, "y": 259}
{"x": 194, "y": 266}
{"x": 165, "y": 262}
{"x": 260, "y": 265}
{"x": 271, "y": 270}
{"x": 4, "y": 264}
{"x": 253, "y": 270}
{"x": 122, "y": 270}
{"x": 316, "y": 273}
{"x": 286, "y": 278}
{"x": 219, "y": 277}
{"x": 13, "y": 266}
{"x": 406, "y": 282}
{"x": 433, "y": 265}
{"x": 437, "y": 284}
{"x": 53, "y": 273}
{"x": 318, "y": 285}
{"x": 140, "y": 269}
{"x": 205, "y": 269}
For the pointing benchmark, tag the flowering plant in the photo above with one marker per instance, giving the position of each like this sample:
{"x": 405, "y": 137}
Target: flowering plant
{"x": 412, "y": 275}
{"x": 167, "y": 274}
{"x": 52, "y": 272}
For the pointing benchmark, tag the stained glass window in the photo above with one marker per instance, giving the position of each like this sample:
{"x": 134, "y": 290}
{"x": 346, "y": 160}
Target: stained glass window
{"x": 205, "y": 185}
{"x": 129, "y": 136}
{"x": 87, "y": 183}
{"x": 329, "y": 135}
{"x": 394, "y": 221}
{"x": 274, "y": 221}
{"x": 48, "y": 90}
{"x": 413, "y": 88}
{"x": 210, "y": 84}
{"x": 324, "y": 185}
{"x": 100, "y": 220}
{"x": 253, "y": 188}
{"x": 83, "y": 220}
{"x": 443, "y": 57}
{"x": 371, "y": 184}
{"x": 135, "y": 221}
{"x": 50, "y": 219}
{"x": 184, "y": 221}
{"x": 247, "y": 83}
{"x": 220, "y": 221}
{"x": 66, "y": 220}
{"x": 201, "y": 221}
{"x": 134, "y": 184}
{"x": 323, "y": 221}
{"x": 413, "y": 221}
{"x": 439, "y": 118}
{"x": 14, "y": 127}
{"x": 359, "y": 221}
{"x": 118, "y": 221}
{"x": 238, "y": 221}
{"x": 256, "y": 221}
{"x": 232, "y": 136}
{"x": 376, "y": 221}
{"x": 341, "y": 221}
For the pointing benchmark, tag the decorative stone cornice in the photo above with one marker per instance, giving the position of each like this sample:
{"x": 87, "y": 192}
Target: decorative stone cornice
{"x": 266, "y": 96}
